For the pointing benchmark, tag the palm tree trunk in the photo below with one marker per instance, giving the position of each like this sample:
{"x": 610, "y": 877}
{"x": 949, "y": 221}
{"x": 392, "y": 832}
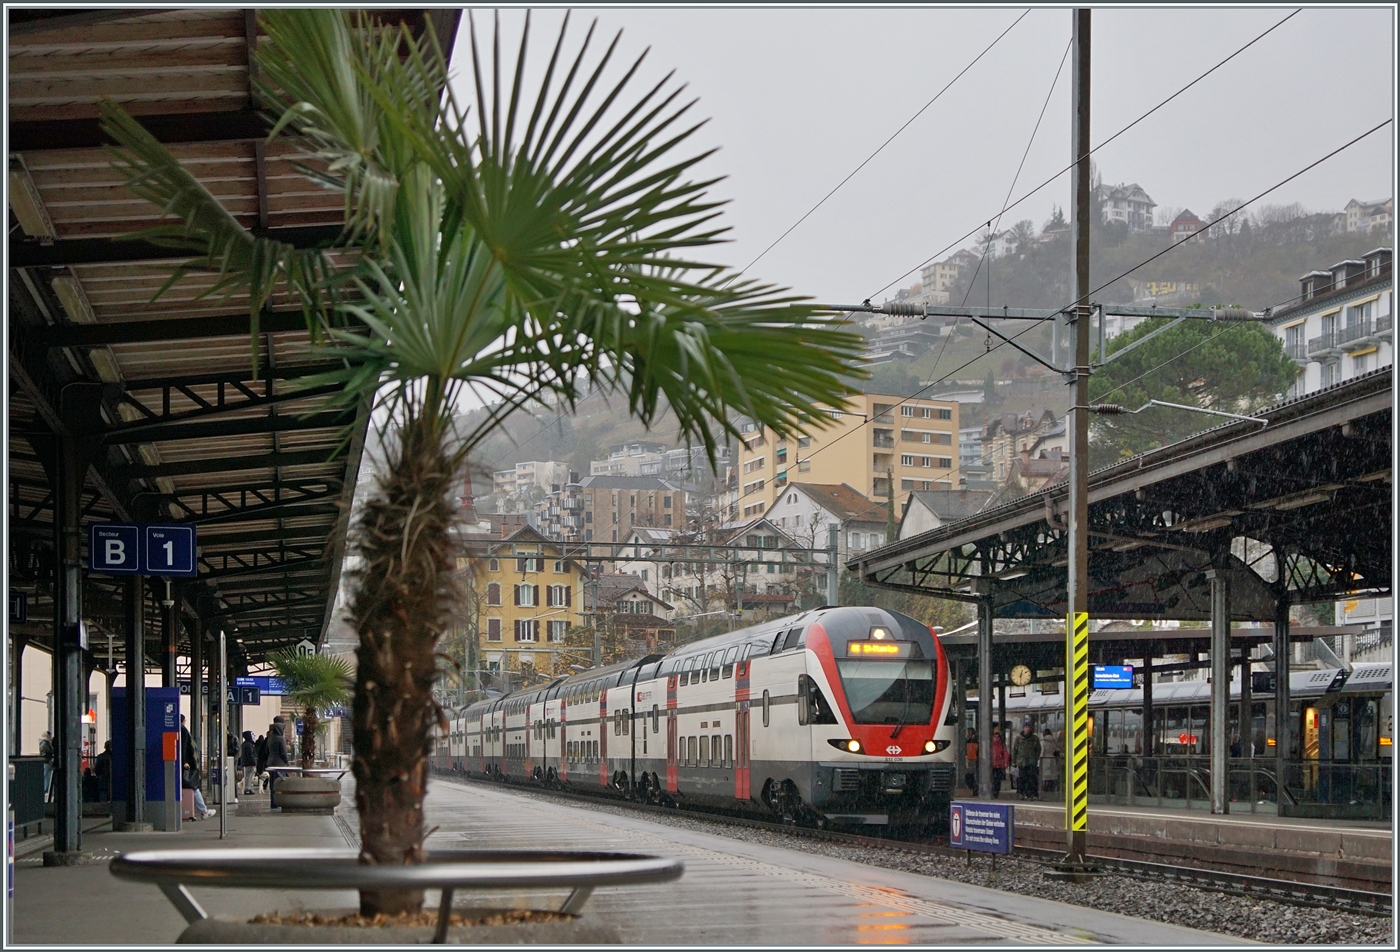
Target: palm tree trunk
{"x": 403, "y": 599}
{"x": 308, "y": 744}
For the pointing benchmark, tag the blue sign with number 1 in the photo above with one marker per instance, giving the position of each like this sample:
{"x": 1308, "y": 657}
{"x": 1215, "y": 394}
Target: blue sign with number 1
{"x": 169, "y": 550}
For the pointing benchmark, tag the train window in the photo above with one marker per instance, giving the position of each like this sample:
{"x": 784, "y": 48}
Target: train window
{"x": 766, "y": 704}
{"x": 694, "y": 759}
{"x": 626, "y": 724}
{"x": 715, "y": 660}
{"x": 595, "y": 751}
{"x": 729, "y": 657}
{"x": 704, "y": 751}
{"x": 729, "y": 750}
{"x": 794, "y": 638}
{"x": 715, "y": 759}
{"x": 778, "y": 642}
{"x": 655, "y": 719}
{"x": 804, "y": 700}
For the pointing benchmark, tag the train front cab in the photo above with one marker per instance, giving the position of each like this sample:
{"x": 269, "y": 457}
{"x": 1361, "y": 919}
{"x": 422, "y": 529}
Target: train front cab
{"x": 876, "y": 697}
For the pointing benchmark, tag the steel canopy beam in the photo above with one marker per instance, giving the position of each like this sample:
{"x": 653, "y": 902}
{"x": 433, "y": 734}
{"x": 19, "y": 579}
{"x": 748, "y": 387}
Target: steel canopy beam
{"x": 65, "y": 252}
{"x": 229, "y": 464}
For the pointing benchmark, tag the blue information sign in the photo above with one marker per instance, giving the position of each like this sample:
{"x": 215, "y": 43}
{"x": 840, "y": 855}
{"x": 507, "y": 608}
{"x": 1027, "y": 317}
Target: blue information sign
{"x": 988, "y": 827}
{"x": 169, "y": 550}
{"x": 114, "y": 548}
{"x": 1113, "y": 676}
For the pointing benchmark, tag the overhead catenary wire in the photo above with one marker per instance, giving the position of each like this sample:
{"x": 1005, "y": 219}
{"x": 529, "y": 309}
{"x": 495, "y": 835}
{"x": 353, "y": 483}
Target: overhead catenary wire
{"x": 882, "y": 145}
{"x": 1170, "y": 248}
{"x": 1096, "y": 148}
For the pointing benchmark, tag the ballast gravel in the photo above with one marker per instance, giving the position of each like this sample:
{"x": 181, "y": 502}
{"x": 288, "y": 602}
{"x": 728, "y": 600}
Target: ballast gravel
{"x": 1262, "y": 920}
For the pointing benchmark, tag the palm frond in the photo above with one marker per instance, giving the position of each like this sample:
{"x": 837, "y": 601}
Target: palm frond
{"x": 314, "y": 681}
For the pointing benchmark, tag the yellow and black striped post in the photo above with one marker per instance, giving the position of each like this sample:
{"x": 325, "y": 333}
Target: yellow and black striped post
{"x": 1076, "y": 733}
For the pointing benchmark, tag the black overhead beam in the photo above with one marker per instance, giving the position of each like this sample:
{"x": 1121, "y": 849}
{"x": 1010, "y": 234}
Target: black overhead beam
{"x": 33, "y": 22}
{"x": 190, "y": 328}
{"x": 213, "y": 429}
{"x": 229, "y": 464}
{"x": 310, "y": 533}
{"x": 292, "y": 509}
{"x": 63, "y": 252}
{"x": 234, "y": 125}
{"x": 278, "y": 372}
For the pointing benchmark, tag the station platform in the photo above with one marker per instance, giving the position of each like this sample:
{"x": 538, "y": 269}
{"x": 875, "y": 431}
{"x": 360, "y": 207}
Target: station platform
{"x": 1356, "y": 854}
{"x": 734, "y": 892}
{"x": 87, "y": 906}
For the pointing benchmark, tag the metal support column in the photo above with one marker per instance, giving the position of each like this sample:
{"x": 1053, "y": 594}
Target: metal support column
{"x": 1283, "y": 720}
{"x": 1246, "y": 719}
{"x": 1077, "y": 620}
{"x": 1219, "y": 692}
{"x": 833, "y": 577}
{"x": 72, "y": 454}
{"x": 197, "y": 695}
{"x": 960, "y": 718}
{"x": 223, "y": 734}
{"x": 170, "y": 635}
{"x": 136, "y": 701}
{"x": 1149, "y": 734}
{"x": 984, "y": 696}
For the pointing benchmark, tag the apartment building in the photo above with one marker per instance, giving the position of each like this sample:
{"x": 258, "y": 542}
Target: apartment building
{"x": 878, "y": 437}
{"x": 1129, "y": 204}
{"x": 1342, "y": 326}
{"x": 615, "y": 505}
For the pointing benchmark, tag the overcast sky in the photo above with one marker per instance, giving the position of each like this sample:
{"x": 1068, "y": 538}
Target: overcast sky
{"x": 798, "y": 98}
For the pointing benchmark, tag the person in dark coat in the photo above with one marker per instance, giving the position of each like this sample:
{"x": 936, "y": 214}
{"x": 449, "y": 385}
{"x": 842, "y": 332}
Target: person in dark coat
{"x": 248, "y": 762}
{"x": 276, "y": 757}
{"x": 189, "y": 772}
{"x": 261, "y": 749}
{"x": 102, "y": 766}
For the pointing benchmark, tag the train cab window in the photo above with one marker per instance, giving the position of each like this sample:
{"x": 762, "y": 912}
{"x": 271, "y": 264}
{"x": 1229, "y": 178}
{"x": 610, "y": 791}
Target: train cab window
{"x": 704, "y": 751}
{"x": 729, "y": 750}
{"x": 793, "y": 639}
{"x": 766, "y": 707}
{"x": 729, "y": 658}
{"x": 778, "y": 642}
{"x": 655, "y": 719}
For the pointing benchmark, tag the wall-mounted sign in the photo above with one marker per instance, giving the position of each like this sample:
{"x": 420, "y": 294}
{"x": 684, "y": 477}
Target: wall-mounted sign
{"x": 1112, "y": 676}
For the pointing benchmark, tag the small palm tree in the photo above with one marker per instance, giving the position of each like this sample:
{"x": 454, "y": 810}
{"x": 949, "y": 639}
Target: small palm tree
{"x": 526, "y": 247}
{"x": 315, "y": 682}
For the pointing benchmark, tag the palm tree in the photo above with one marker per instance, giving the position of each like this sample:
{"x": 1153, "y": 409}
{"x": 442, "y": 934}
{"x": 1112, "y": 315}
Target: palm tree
{"x": 314, "y": 682}
{"x": 522, "y": 247}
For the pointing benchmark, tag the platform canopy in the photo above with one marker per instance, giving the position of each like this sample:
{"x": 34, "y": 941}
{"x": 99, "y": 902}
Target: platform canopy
{"x": 160, "y": 394}
{"x": 1299, "y": 510}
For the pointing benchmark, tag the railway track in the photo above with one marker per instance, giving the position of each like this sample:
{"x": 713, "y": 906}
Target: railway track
{"x": 1261, "y": 887}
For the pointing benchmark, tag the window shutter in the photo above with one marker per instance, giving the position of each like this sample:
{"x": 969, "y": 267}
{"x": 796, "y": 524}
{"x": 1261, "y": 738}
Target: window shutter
{"x": 536, "y": 593}
{"x": 549, "y": 596}
{"x": 517, "y": 595}
{"x": 568, "y": 596}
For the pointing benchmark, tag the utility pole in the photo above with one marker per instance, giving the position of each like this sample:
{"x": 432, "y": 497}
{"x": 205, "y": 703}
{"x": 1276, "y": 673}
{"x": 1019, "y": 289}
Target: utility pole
{"x": 1077, "y": 610}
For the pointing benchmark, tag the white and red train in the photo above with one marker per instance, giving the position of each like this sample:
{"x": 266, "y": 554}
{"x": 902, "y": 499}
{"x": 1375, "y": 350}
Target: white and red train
{"x": 834, "y": 715}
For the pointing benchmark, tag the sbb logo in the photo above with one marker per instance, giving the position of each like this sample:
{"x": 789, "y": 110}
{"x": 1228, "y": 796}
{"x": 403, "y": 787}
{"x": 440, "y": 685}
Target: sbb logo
{"x": 893, "y": 750}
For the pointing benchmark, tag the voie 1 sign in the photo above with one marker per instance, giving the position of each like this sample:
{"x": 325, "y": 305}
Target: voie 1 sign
{"x": 130, "y": 548}
{"x": 987, "y": 827}
{"x": 1113, "y": 676}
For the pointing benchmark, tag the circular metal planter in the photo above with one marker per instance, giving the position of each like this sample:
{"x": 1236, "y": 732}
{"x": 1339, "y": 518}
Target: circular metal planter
{"x": 447, "y": 870}
{"x": 308, "y": 790}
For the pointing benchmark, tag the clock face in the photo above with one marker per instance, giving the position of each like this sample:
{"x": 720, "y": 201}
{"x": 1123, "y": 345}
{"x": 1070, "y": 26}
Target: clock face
{"x": 1020, "y": 675}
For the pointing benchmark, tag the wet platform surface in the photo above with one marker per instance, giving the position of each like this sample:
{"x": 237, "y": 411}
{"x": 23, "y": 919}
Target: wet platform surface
{"x": 736, "y": 892}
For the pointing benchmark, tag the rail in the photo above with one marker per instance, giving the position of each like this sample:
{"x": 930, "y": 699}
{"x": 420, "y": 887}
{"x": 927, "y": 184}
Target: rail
{"x": 448, "y": 870}
{"x": 1287, "y": 891}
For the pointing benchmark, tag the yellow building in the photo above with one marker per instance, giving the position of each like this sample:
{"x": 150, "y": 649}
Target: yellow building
{"x": 915, "y": 440}
{"x": 526, "y": 596}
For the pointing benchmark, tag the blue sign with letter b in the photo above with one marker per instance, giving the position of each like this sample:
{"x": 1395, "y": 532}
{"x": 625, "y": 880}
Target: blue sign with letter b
{"x": 114, "y": 548}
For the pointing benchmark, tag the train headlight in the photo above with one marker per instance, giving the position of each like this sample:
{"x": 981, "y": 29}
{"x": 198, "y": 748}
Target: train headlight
{"x": 850, "y": 746}
{"x": 929, "y": 747}
{"x": 853, "y": 746}
{"x": 934, "y": 746}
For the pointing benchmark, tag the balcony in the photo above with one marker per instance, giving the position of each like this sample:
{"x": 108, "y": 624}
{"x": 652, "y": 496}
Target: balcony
{"x": 884, "y": 438}
{"x": 1323, "y": 345}
{"x": 1297, "y": 350}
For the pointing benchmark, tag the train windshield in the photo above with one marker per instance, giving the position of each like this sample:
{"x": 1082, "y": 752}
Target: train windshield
{"x": 888, "y": 692}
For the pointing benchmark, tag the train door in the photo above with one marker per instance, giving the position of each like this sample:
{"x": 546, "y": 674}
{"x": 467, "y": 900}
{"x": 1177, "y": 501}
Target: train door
{"x": 741, "y": 726}
{"x": 672, "y": 742}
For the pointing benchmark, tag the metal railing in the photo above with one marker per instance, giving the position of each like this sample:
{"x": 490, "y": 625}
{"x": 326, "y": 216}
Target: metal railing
{"x": 1356, "y": 331}
{"x": 884, "y": 441}
{"x": 1297, "y": 350}
{"x": 1322, "y": 343}
{"x": 1311, "y": 787}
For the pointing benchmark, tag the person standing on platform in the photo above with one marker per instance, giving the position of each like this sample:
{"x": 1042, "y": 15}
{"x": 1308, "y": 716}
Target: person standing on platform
{"x": 970, "y": 778}
{"x": 1049, "y": 761}
{"x": 248, "y": 763}
{"x": 1000, "y": 759}
{"x": 102, "y": 767}
{"x": 1025, "y": 754}
{"x": 189, "y": 771}
{"x": 46, "y": 751}
{"x": 261, "y": 748}
{"x": 276, "y": 757}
